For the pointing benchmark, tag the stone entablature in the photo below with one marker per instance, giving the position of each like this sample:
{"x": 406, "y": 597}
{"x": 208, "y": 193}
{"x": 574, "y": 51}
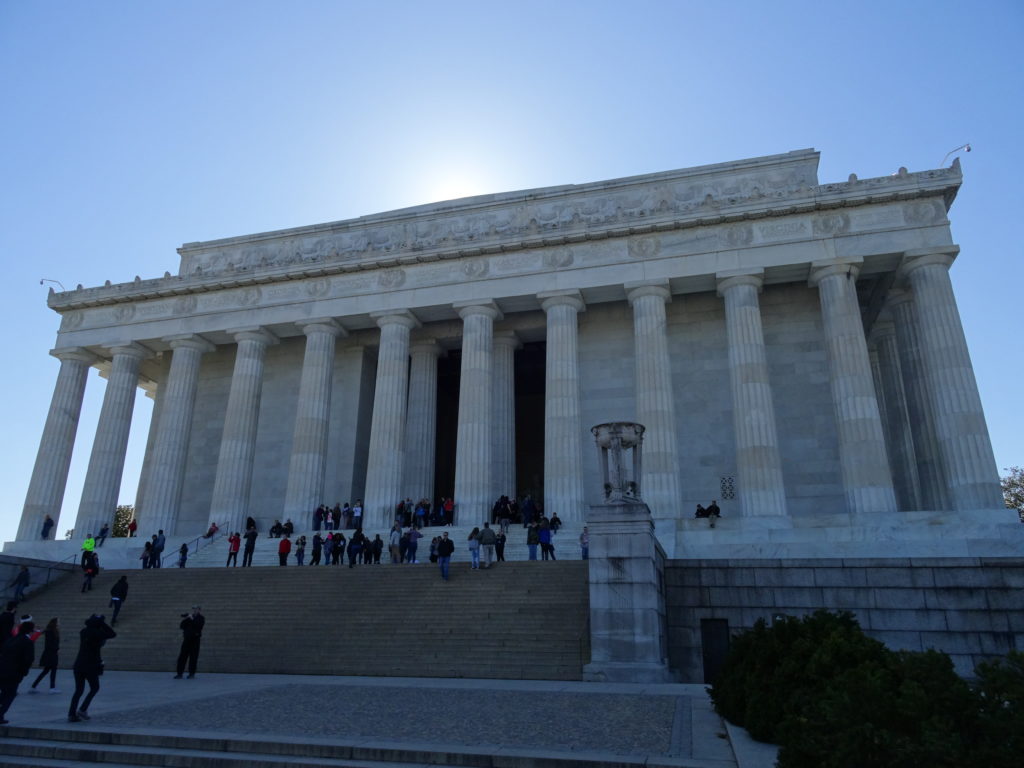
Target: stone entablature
{"x": 786, "y": 230}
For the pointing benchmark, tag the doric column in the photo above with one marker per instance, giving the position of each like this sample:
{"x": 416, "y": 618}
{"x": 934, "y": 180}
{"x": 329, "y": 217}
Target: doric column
{"x": 106, "y": 463}
{"x": 421, "y": 423}
{"x": 50, "y": 473}
{"x": 655, "y": 401}
{"x": 308, "y": 460}
{"x": 762, "y": 491}
{"x": 229, "y": 505}
{"x": 159, "y": 507}
{"x": 473, "y": 478}
{"x": 964, "y": 443}
{"x": 862, "y": 457}
{"x": 930, "y": 473}
{"x": 898, "y": 440}
{"x": 387, "y": 429}
{"x": 503, "y": 445}
{"x": 563, "y": 430}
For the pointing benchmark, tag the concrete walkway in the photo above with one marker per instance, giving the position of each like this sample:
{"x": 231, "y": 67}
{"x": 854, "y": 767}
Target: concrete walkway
{"x": 663, "y": 725}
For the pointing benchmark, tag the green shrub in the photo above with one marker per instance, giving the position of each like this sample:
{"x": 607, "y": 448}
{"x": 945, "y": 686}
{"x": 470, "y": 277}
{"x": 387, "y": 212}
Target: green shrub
{"x": 832, "y": 697}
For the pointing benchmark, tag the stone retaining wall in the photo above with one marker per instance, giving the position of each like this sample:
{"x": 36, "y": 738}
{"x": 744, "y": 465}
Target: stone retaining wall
{"x": 971, "y": 608}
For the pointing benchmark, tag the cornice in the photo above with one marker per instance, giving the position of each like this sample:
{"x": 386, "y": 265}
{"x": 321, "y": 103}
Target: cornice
{"x": 710, "y": 211}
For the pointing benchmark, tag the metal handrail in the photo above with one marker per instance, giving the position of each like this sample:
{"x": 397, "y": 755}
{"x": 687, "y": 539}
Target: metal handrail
{"x": 195, "y": 541}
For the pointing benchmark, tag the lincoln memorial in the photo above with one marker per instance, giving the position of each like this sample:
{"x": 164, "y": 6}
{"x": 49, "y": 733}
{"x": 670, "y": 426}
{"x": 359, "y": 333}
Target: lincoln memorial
{"x": 793, "y": 349}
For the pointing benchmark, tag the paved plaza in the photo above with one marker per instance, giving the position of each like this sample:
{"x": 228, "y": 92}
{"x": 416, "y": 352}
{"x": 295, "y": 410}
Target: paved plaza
{"x": 663, "y": 724}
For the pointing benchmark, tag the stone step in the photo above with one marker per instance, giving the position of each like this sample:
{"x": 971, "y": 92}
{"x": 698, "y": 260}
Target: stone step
{"x": 73, "y": 746}
{"x": 515, "y": 620}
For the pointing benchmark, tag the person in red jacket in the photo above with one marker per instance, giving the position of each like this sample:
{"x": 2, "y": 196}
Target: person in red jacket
{"x": 234, "y": 542}
{"x": 283, "y": 549}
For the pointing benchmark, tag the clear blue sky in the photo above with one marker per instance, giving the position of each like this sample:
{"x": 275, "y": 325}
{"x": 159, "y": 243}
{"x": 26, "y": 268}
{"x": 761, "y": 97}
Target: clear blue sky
{"x": 129, "y": 128}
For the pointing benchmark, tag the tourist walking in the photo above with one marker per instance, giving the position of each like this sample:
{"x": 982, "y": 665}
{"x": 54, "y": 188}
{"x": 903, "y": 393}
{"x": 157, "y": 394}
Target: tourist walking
{"x": 499, "y": 546}
{"x": 234, "y": 544}
{"x": 487, "y": 543}
{"x": 88, "y": 665}
{"x": 445, "y": 548}
{"x": 532, "y": 540}
{"x": 49, "y": 660}
{"x": 474, "y": 549}
{"x": 118, "y": 594}
{"x": 283, "y": 550}
{"x": 182, "y": 555}
{"x": 318, "y": 545}
{"x": 20, "y": 583}
{"x": 158, "y": 549}
{"x": 191, "y": 627}
{"x": 147, "y": 555}
{"x": 547, "y": 549}
{"x": 300, "y": 550}
{"x": 394, "y": 543}
{"x": 16, "y": 656}
{"x": 414, "y": 543}
{"x": 90, "y": 568}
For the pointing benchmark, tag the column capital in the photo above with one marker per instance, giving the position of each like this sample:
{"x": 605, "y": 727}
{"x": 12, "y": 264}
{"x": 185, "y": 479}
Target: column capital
{"x": 131, "y": 349}
{"x": 190, "y": 341}
{"x": 477, "y": 307}
{"x": 395, "y": 317}
{"x": 507, "y": 338}
{"x": 822, "y": 269}
{"x": 425, "y": 347}
{"x": 897, "y": 296}
{"x": 882, "y": 329}
{"x": 571, "y": 298}
{"x": 923, "y": 257}
{"x": 641, "y": 288}
{"x": 322, "y": 325}
{"x": 735, "y": 277}
{"x": 255, "y": 333}
{"x": 80, "y": 354}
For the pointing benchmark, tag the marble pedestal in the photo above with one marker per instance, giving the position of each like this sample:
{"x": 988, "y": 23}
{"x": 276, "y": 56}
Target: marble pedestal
{"x": 627, "y": 601}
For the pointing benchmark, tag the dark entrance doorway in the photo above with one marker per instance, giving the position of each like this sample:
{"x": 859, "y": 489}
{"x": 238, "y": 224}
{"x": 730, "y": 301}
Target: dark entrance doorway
{"x": 529, "y": 395}
{"x": 714, "y": 642}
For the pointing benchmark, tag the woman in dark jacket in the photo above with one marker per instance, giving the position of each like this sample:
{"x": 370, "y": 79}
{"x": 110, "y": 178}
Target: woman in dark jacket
{"x": 48, "y": 661}
{"x": 88, "y": 665}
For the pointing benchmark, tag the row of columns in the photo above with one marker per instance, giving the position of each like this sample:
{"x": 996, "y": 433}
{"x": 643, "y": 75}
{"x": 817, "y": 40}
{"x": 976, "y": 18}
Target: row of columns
{"x": 923, "y": 368}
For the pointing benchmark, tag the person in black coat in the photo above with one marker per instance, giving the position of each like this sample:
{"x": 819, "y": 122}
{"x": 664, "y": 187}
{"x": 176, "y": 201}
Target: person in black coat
{"x": 89, "y": 665}
{"x": 7, "y": 620}
{"x": 48, "y": 661}
{"x": 16, "y": 657}
{"x": 192, "y": 629}
{"x": 118, "y": 594}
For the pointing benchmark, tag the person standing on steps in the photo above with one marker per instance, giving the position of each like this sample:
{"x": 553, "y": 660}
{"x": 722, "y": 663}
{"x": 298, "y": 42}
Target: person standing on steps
{"x": 88, "y": 665}
{"x": 487, "y": 543}
{"x": 48, "y": 661}
{"x": 20, "y": 583}
{"x": 183, "y": 555}
{"x": 284, "y": 548}
{"x": 532, "y": 540}
{"x": 16, "y": 657}
{"x": 499, "y": 546}
{"x": 250, "y": 546}
{"x": 118, "y": 594}
{"x": 585, "y": 543}
{"x": 192, "y": 632}
{"x": 318, "y": 545}
{"x": 47, "y": 526}
{"x": 445, "y": 547}
{"x": 234, "y": 543}
{"x": 104, "y": 532}
{"x": 158, "y": 548}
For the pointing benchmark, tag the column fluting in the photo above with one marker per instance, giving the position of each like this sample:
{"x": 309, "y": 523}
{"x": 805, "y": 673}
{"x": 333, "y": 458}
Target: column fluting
{"x": 655, "y": 401}
{"x": 899, "y": 441}
{"x": 53, "y": 459}
{"x": 229, "y": 505}
{"x": 930, "y": 472}
{"x": 473, "y": 469}
{"x": 762, "y": 491}
{"x": 563, "y": 430}
{"x": 963, "y": 438}
{"x": 106, "y": 463}
{"x": 387, "y": 428}
{"x": 867, "y": 479}
{"x": 421, "y": 422}
{"x": 162, "y": 493}
{"x": 307, "y": 465}
{"x": 503, "y": 445}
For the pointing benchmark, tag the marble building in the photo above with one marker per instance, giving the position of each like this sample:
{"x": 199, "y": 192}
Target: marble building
{"x": 793, "y": 349}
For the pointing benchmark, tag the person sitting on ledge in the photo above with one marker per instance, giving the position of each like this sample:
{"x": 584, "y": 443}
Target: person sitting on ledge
{"x": 288, "y": 528}
{"x": 276, "y": 530}
{"x": 713, "y": 512}
{"x": 211, "y": 531}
